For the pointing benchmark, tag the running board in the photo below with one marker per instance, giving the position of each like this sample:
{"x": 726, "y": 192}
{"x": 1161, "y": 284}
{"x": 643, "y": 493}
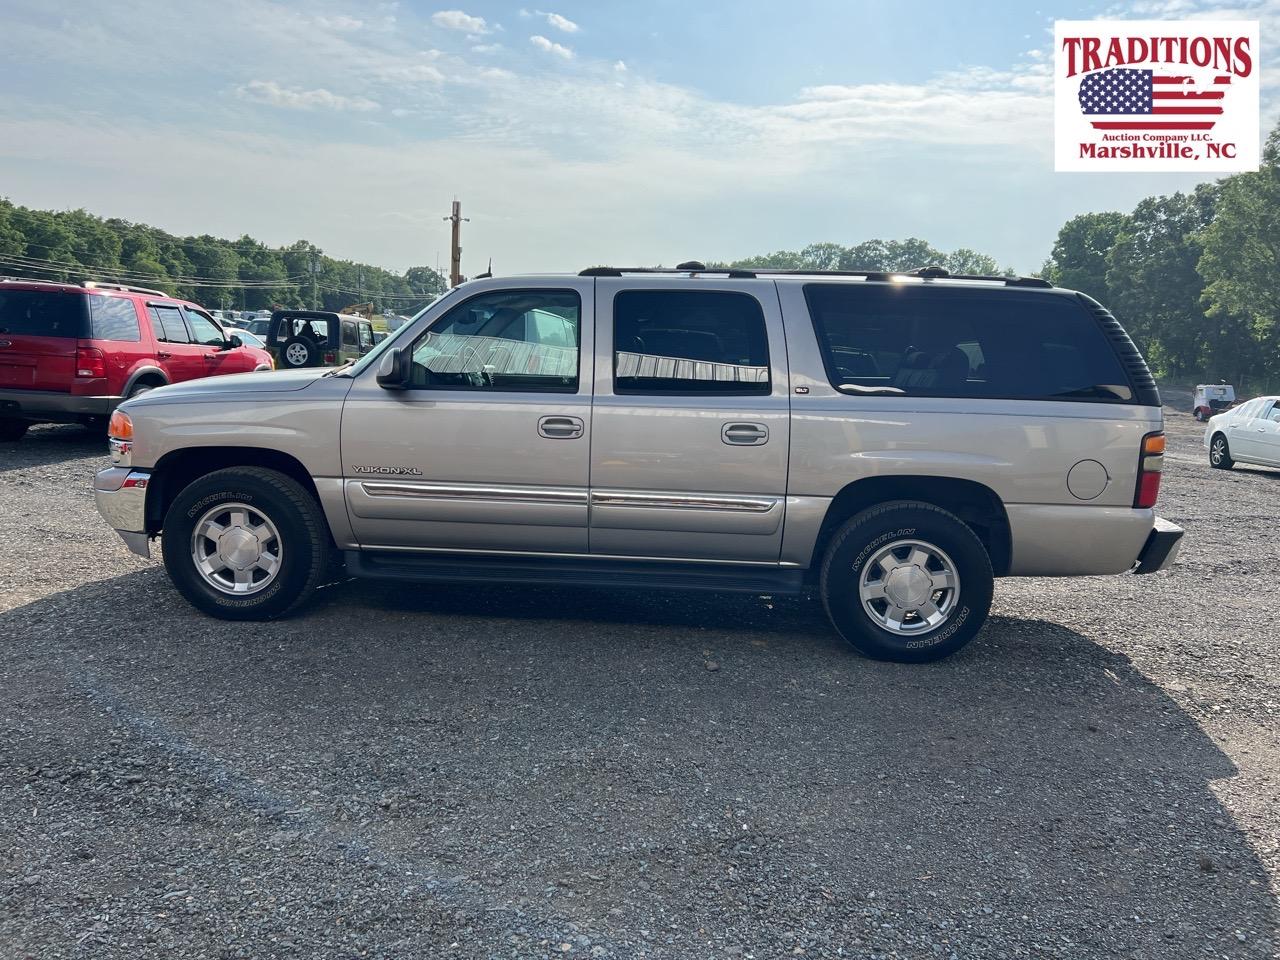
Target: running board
{"x": 570, "y": 571}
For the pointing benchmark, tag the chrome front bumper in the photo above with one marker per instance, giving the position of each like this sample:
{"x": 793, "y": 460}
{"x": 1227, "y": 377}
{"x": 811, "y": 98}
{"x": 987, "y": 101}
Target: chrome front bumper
{"x": 121, "y": 495}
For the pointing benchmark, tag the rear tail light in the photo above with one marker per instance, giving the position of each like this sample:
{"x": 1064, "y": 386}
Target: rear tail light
{"x": 1150, "y": 466}
{"x": 330, "y": 358}
{"x": 90, "y": 363}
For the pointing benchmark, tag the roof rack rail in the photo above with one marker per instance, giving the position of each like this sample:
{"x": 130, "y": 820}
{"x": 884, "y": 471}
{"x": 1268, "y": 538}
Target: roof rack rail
{"x": 923, "y": 273}
{"x": 51, "y": 283}
{"x": 100, "y": 285}
{"x": 690, "y": 266}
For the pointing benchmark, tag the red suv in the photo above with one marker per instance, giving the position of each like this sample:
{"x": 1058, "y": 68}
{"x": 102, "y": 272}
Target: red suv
{"x": 69, "y": 354}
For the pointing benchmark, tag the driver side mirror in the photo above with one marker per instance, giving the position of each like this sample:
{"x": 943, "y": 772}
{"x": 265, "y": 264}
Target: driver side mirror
{"x": 234, "y": 342}
{"x": 393, "y": 370}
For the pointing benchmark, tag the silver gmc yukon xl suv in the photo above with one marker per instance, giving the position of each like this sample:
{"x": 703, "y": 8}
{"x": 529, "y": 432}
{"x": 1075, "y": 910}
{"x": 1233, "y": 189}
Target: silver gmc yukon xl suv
{"x": 890, "y": 443}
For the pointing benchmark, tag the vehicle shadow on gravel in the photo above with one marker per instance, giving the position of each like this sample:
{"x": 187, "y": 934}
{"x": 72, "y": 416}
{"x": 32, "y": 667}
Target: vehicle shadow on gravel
{"x": 44, "y": 445}
{"x": 467, "y": 769}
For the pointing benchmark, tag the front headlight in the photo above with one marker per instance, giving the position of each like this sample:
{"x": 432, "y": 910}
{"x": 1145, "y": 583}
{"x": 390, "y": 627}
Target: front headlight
{"x": 120, "y": 439}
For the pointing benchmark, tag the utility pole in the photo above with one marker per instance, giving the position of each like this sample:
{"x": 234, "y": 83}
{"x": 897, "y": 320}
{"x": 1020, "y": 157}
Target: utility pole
{"x": 455, "y": 258}
{"x": 315, "y": 272}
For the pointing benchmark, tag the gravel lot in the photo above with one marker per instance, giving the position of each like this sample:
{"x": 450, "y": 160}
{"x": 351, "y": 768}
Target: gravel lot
{"x": 475, "y": 772}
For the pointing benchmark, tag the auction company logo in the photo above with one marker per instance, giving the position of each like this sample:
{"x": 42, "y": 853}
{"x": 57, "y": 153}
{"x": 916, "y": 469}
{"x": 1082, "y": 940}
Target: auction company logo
{"x": 1149, "y": 95}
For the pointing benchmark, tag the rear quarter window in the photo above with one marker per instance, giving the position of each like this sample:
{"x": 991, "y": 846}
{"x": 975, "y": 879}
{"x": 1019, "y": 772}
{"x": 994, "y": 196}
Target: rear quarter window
{"x": 114, "y": 318}
{"x": 43, "y": 313}
{"x": 953, "y": 342}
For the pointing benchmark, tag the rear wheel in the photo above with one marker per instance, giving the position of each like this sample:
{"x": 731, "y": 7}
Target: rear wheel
{"x": 11, "y": 430}
{"x": 246, "y": 543}
{"x": 1220, "y": 453}
{"x": 906, "y": 581}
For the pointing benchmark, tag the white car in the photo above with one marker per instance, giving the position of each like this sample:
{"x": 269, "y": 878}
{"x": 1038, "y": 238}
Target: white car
{"x": 1250, "y": 433}
{"x": 246, "y": 337}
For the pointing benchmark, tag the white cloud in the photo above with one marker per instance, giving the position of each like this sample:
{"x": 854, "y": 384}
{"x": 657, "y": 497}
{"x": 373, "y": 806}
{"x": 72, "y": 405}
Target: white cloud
{"x": 270, "y": 92}
{"x": 486, "y": 48}
{"x": 457, "y": 20}
{"x": 341, "y": 23}
{"x": 952, "y": 157}
{"x": 560, "y": 23}
{"x": 547, "y": 46}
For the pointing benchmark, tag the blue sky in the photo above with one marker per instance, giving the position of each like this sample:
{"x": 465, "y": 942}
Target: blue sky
{"x": 576, "y": 134}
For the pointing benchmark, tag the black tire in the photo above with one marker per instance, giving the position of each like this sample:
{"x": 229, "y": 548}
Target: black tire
{"x": 1220, "y": 453}
{"x": 139, "y": 389}
{"x": 857, "y": 543}
{"x": 313, "y": 354}
{"x": 304, "y": 544}
{"x": 12, "y": 430}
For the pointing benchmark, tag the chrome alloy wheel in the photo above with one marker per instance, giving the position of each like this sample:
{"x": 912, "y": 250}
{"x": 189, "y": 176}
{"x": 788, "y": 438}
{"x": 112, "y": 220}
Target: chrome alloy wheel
{"x": 296, "y": 354}
{"x": 1217, "y": 450}
{"x": 909, "y": 587}
{"x": 236, "y": 549}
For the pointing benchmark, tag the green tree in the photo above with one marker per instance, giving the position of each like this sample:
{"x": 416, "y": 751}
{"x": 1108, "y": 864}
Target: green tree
{"x": 1153, "y": 283}
{"x": 1241, "y": 258}
{"x": 1079, "y": 257}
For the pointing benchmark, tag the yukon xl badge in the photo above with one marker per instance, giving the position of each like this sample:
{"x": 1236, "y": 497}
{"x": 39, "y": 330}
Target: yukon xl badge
{"x": 388, "y": 471}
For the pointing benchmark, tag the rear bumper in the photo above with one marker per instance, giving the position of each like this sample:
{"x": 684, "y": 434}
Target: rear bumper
{"x": 1161, "y": 548}
{"x": 121, "y": 496}
{"x": 1073, "y": 541}
{"x": 52, "y": 406}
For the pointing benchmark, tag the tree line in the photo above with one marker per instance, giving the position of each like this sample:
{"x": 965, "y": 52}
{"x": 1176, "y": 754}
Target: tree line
{"x": 883, "y": 255}
{"x": 239, "y": 274}
{"x": 1194, "y": 277}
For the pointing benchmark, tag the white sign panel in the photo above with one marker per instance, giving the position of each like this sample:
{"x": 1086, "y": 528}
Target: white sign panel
{"x": 1150, "y": 95}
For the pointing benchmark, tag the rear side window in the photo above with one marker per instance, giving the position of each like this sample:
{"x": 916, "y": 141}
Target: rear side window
{"x": 43, "y": 313}
{"x": 689, "y": 342}
{"x": 167, "y": 325}
{"x": 948, "y": 342}
{"x": 114, "y": 318}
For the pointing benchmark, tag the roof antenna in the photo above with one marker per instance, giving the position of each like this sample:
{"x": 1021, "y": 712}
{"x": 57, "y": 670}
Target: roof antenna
{"x": 691, "y": 265}
{"x": 487, "y": 273}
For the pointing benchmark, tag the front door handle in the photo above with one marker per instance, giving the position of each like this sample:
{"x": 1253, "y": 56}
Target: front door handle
{"x": 560, "y": 428}
{"x": 744, "y": 434}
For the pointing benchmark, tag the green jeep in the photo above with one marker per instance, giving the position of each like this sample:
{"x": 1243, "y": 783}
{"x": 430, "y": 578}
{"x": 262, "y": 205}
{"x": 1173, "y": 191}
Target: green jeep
{"x": 317, "y": 338}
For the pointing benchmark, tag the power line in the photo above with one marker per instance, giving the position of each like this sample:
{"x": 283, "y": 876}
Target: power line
{"x": 151, "y": 279}
{"x": 54, "y": 217}
{"x": 38, "y": 262}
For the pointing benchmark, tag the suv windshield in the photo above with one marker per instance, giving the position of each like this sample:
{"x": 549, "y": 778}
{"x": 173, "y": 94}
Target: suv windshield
{"x": 43, "y": 313}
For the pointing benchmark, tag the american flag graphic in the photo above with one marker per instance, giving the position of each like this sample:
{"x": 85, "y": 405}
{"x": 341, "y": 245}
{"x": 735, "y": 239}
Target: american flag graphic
{"x": 1145, "y": 100}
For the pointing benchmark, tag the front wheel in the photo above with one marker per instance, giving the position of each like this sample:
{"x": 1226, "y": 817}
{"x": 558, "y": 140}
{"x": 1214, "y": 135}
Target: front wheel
{"x": 245, "y": 543}
{"x": 906, "y": 581}
{"x": 1220, "y": 453}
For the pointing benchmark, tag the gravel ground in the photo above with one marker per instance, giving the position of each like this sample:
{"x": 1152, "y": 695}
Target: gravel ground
{"x": 501, "y": 772}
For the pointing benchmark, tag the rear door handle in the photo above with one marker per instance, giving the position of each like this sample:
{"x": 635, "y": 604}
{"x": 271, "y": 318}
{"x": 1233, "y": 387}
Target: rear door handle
{"x": 744, "y": 434}
{"x": 560, "y": 428}
{"x": 161, "y": 355}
